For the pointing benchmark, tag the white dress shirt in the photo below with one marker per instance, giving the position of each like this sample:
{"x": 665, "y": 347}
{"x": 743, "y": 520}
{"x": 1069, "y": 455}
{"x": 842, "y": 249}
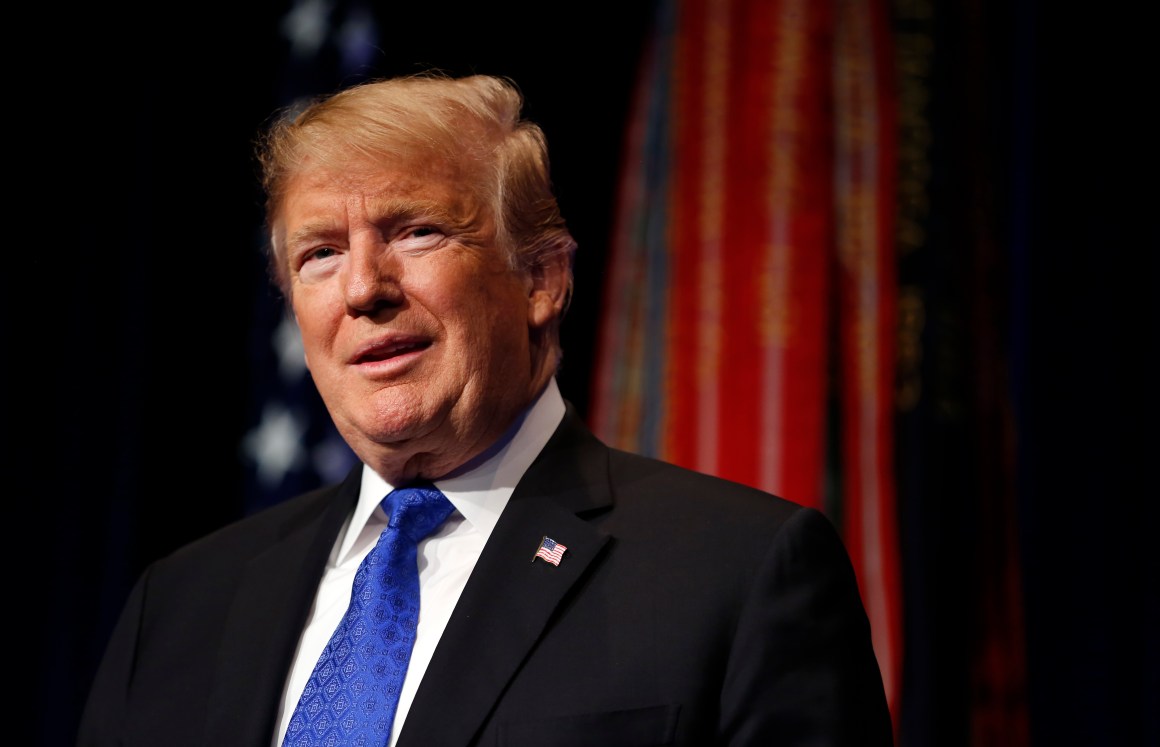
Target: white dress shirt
{"x": 479, "y": 492}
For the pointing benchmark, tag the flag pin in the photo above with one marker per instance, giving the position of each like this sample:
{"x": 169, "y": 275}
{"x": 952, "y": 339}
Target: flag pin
{"x": 550, "y": 550}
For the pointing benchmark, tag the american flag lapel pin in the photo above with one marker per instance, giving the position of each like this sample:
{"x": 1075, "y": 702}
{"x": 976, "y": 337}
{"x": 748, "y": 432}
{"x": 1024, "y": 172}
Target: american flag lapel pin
{"x": 550, "y": 550}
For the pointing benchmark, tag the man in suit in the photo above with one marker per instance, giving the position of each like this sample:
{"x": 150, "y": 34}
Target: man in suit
{"x": 414, "y": 232}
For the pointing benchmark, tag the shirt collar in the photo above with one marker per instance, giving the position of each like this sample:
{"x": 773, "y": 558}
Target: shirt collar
{"x": 479, "y": 490}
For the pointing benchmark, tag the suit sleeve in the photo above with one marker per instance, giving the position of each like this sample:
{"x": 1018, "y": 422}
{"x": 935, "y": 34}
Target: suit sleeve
{"x": 802, "y": 669}
{"x": 104, "y": 713}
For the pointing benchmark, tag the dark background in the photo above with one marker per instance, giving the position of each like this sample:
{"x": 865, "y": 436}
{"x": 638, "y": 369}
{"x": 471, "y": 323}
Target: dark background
{"x": 128, "y": 304}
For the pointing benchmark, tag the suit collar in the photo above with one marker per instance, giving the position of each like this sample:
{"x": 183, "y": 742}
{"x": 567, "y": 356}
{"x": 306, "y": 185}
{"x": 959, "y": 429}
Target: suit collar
{"x": 571, "y": 471}
{"x": 272, "y": 602}
{"x": 510, "y": 597}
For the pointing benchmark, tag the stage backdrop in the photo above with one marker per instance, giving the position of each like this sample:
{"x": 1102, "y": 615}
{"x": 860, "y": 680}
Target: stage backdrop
{"x": 896, "y": 259}
{"x": 751, "y": 286}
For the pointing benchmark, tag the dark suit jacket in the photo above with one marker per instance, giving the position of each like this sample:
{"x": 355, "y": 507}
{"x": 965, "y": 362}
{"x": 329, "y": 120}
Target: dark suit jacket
{"x": 687, "y": 611}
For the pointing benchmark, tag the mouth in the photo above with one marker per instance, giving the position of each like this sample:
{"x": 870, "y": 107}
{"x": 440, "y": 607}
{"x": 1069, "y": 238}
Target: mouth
{"x": 390, "y": 349}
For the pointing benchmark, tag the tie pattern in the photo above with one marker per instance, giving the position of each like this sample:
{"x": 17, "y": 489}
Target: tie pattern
{"x": 353, "y": 692}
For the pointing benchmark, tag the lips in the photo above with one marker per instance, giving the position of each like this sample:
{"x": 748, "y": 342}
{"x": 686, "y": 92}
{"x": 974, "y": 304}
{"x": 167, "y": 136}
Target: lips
{"x": 388, "y": 349}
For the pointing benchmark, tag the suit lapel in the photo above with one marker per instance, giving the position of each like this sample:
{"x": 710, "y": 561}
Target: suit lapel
{"x": 271, "y": 604}
{"x": 510, "y": 597}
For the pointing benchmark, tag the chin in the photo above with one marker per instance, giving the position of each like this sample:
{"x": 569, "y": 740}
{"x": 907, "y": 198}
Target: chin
{"x": 387, "y": 426}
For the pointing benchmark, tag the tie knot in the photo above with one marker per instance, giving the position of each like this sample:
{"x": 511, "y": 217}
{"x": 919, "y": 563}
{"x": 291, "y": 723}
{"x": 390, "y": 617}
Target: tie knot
{"x": 418, "y": 510}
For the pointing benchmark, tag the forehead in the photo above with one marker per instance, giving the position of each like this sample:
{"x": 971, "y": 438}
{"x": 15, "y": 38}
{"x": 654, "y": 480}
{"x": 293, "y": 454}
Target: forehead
{"x": 384, "y": 186}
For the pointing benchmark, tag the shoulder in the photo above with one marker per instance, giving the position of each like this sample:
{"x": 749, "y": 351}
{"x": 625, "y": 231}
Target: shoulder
{"x": 682, "y": 530}
{"x": 645, "y": 487}
{"x": 247, "y": 537}
{"x": 646, "y": 491}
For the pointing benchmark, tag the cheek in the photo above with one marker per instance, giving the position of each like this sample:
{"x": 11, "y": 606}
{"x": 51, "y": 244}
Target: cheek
{"x": 502, "y": 320}
{"x": 315, "y": 326}
{"x": 479, "y": 298}
{"x": 486, "y": 328}
{"x": 499, "y": 304}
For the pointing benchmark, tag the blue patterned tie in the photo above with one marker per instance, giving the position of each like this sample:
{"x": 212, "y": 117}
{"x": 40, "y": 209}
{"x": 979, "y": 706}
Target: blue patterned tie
{"x": 353, "y": 693}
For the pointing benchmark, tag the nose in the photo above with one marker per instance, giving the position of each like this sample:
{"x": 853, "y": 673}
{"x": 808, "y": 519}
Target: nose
{"x": 373, "y": 277}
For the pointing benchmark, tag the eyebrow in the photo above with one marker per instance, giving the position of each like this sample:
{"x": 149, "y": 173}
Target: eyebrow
{"x": 397, "y": 208}
{"x": 311, "y": 231}
{"x": 392, "y": 209}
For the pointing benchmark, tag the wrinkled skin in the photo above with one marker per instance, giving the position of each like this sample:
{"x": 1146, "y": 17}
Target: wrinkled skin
{"x": 423, "y": 342}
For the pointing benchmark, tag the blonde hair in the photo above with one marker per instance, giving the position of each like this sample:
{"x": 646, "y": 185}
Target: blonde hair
{"x": 473, "y": 120}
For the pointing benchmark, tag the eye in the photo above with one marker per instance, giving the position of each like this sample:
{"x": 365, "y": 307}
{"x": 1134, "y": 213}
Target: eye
{"x": 322, "y": 252}
{"x": 419, "y": 238}
{"x": 317, "y": 263}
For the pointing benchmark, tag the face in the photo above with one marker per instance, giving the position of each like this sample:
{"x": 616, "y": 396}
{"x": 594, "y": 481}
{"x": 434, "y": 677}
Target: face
{"x": 417, "y": 333}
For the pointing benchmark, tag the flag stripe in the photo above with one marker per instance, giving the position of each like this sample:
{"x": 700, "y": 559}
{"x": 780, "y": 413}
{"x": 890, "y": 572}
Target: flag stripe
{"x": 694, "y": 287}
{"x": 864, "y": 185}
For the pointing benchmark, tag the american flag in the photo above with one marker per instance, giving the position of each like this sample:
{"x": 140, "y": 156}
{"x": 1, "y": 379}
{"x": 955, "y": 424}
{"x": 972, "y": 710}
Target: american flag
{"x": 550, "y": 550}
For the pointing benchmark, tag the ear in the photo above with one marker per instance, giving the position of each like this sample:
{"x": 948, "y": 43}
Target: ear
{"x": 551, "y": 285}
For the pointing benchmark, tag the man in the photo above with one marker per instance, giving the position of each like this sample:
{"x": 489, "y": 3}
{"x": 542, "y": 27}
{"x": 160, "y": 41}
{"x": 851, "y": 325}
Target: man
{"x": 576, "y": 595}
